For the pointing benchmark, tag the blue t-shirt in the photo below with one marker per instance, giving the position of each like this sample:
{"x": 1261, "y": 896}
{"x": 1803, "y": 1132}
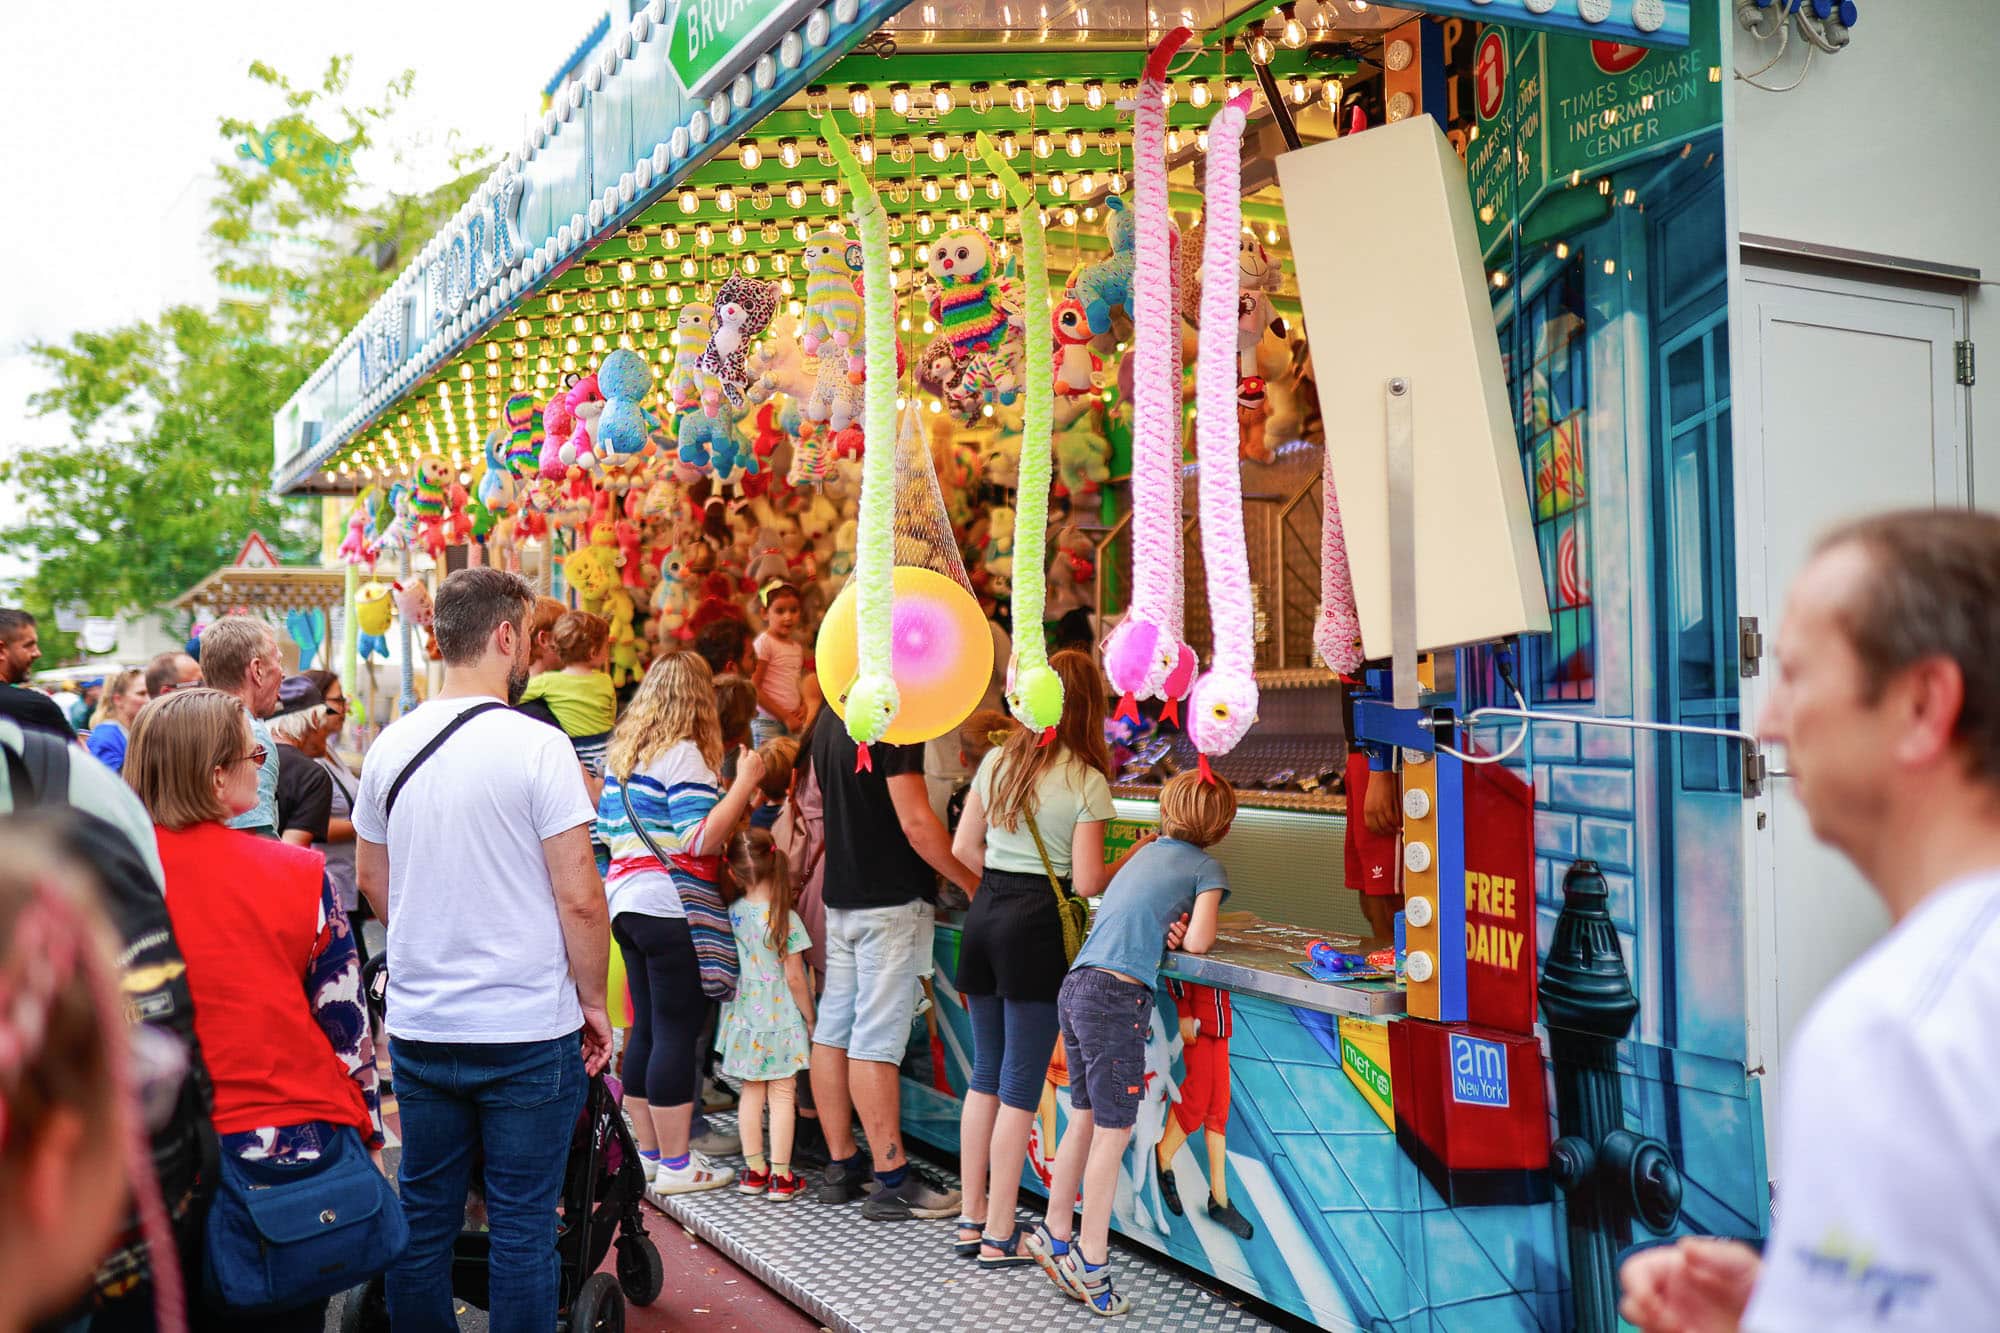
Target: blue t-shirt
{"x": 1160, "y": 882}
{"x": 263, "y": 816}
{"x": 107, "y": 745}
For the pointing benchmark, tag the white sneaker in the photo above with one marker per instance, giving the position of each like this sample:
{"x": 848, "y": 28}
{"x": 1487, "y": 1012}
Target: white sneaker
{"x": 650, "y": 1165}
{"x": 701, "y": 1173}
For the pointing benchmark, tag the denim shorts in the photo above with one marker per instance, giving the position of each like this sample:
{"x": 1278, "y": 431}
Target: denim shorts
{"x": 1104, "y": 1021}
{"x": 875, "y": 957}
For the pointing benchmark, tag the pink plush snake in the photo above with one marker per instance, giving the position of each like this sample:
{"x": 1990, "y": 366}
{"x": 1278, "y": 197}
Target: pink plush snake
{"x": 1337, "y": 632}
{"x": 1144, "y": 656}
{"x": 1223, "y": 705}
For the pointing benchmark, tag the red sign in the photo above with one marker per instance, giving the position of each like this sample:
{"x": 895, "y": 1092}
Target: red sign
{"x": 1616, "y": 57}
{"x": 1499, "y": 899}
{"x": 1489, "y": 74}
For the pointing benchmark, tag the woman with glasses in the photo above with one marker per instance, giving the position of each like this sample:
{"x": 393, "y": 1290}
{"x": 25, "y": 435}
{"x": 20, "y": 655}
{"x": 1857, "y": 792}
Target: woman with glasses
{"x": 270, "y": 961}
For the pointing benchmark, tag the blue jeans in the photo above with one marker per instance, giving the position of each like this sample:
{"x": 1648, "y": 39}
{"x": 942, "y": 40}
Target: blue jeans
{"x": 1012, "y": 1041}
{"x": 518, "y": 1102}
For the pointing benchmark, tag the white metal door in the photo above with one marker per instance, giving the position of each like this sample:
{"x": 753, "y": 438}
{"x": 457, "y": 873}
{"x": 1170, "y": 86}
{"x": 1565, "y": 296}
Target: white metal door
{"x": 1847, "y": 405}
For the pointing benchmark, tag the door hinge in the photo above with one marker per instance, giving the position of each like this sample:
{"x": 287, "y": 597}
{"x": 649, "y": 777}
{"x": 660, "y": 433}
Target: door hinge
{"x": 1754, "y": 772}
{"x": 1749, "y": 646}
{"x": 1962, "y": 360}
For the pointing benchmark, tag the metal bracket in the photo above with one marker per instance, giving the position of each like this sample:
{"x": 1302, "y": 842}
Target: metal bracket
{"x": 1402, "y": 544}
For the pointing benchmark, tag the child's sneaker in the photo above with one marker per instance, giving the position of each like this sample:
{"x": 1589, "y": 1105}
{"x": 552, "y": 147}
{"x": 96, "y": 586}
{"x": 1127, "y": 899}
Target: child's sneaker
{"x": 785, "y": 1188}
{"x": 1092, "y": 1286}
{"x": 753, "y": 1182}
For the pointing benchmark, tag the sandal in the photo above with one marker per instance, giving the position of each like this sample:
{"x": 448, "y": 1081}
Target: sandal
{"x": 963, "y": 1248}
{"x": 1040, "y": 1242}
{"x": 1009, "y": 1256}
{"x": 1097, "y": 1291}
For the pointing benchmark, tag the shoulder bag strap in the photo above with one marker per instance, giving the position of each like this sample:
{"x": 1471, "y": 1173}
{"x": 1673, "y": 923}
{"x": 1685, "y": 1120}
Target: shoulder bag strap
{"x": 625, "y": 797}
{"x": 1072, "y": 929}
{"x": 799, "y": 824}
{"x": 38, "y": 774}
{"x": 431, "y": 748}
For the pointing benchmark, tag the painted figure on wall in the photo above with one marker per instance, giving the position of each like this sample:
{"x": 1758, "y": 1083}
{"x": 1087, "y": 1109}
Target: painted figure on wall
{"x": 1203, "y": 1104}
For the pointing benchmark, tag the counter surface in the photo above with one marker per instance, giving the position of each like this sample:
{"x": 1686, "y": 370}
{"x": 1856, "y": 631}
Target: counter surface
{"x": 1257, "y": 957}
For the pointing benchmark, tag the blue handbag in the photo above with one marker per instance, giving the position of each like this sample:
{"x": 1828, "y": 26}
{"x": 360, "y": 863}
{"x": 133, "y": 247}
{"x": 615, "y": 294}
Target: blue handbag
{"x": 285, "y": 1235}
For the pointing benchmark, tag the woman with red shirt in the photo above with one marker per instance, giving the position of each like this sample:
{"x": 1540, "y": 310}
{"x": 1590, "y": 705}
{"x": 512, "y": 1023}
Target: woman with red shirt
{"x": 270, "y": 961}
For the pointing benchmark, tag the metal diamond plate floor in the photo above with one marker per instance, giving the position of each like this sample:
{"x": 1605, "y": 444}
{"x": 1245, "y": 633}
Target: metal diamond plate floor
{"x": 857, "y": 1276}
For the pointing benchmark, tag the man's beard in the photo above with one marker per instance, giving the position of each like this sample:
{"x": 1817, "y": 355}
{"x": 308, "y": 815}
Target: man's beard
{"x": 517, "y": 684}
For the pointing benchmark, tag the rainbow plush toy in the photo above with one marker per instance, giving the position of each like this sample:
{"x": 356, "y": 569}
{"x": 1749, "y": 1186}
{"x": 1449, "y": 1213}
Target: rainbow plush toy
{"x": 833, "y": 308}
{"x": 689, "y": 383}
{"x": 1223, "y": 705}
{"x": 967, "y": 304}
{"x": 872, "y": 699}
{"x": 522, "y": 447}
{"x": 1034, "y": 690}
{"x": 1144, "y": 656}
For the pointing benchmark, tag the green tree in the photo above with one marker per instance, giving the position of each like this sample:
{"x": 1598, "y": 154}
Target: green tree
{"x": 167, "y": 467}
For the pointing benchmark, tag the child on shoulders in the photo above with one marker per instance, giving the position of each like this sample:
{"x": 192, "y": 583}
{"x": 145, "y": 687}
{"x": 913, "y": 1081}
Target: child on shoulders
{"x": 580, "y": 694}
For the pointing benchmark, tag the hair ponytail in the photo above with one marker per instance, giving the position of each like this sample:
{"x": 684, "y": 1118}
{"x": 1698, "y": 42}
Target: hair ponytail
{"x": 756, "y": 858}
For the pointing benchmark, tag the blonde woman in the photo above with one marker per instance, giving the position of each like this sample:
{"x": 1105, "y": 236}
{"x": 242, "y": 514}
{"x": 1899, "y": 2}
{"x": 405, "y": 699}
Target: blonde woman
{"x": 111, "y": 725}
{"x": 667, "y": 821}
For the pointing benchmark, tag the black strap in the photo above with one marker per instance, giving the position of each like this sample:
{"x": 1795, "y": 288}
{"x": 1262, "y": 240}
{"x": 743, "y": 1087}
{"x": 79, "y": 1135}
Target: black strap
{"x": 625, "y": 795}
{"x": 431, "y": 748}
{"x": 38, "y": 774}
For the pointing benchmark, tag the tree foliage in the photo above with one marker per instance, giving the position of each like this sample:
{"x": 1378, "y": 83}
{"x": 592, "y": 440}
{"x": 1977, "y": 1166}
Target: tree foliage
{"x": 168, "y": 461}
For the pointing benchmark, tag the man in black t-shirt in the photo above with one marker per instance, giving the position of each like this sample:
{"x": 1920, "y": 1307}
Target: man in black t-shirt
{"x": 20, "y": 649}
{"x": 885, "y": 848}
{"x": 305, "y": 792}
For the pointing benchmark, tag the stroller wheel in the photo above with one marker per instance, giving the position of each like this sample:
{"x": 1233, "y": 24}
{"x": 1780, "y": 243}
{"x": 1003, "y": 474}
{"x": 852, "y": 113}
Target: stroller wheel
{"x": 599, "y": 1306}
{"x": 365, "y": 1310}
{"x": 640, "y": 1272}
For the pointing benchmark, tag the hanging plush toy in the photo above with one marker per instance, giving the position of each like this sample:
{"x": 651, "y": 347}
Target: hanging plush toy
{"x": 1337, "y": 631}
{"x": 523, "y": 450}
{"x": 1077, "y": 366}
{"x": 427, "y": 502}
{"x": 355, "y": 547}
{"x": 690, "y": 384}
{"x": 1143, "y": 655}
{"x": 371, "y": 617}
{"x": 1253, "y": 410}
{"x": 622, "y": 431}
{"x": 967, "y": 305}
{"x": 743, "y": 309}
{"x": 1034, "y": 690}
{"x": 833, "y": 308}
{"x": 586, "y": 404}
{"x": 1223, "y": 705}
{"x": 1105, "y": 285}
{"x": 557, "y": 423}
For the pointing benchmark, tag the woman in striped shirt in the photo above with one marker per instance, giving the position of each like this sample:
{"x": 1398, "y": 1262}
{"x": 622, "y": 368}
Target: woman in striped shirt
{"x": 661, "y": 772}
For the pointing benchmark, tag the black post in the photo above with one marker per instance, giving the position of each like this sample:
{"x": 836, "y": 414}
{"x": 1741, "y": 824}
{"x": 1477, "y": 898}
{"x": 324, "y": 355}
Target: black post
{"x": 1610, "y": 1174}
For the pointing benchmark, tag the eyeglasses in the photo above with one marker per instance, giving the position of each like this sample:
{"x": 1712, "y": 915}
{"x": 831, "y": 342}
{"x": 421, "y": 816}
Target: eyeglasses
{"x": 256, "y": 756}
{"x": 194, "y": 684}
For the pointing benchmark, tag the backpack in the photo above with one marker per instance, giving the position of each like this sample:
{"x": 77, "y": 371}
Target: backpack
{"x": 186, "y": 1154}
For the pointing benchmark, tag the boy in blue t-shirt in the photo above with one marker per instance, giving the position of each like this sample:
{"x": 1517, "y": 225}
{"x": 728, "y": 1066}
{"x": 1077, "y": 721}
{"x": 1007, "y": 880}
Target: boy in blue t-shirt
{"x": 1170, "y": 887}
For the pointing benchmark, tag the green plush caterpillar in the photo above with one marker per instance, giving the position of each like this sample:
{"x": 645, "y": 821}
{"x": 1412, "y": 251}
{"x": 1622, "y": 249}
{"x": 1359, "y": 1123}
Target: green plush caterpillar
{"x": 1034, "y": 690}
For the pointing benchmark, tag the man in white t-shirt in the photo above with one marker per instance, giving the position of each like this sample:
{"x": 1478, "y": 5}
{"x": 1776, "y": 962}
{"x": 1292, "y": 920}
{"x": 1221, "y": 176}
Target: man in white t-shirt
{"x": 1887, "y": 701}
{"x": 475, "y": 849}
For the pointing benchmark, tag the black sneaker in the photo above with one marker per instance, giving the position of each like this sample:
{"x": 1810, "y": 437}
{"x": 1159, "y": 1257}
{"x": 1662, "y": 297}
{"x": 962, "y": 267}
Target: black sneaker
{"x": 1229, "y": 1219}
{"x": 913, "y": 1198}
{"x": 809, "y": 1145}
{"x": 1170, "y": 1191}
{"x": 839, "y": 1184}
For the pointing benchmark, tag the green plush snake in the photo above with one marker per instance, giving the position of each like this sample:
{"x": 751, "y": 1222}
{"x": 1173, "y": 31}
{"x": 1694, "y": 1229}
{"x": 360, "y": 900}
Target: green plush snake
{"x": 1034, "y": 690}
{"x": 873, "y": 699}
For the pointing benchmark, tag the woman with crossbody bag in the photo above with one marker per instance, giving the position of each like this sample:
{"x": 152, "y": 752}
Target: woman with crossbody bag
{"x": 1035, "y": 819}
{"x": 667, "y": 820}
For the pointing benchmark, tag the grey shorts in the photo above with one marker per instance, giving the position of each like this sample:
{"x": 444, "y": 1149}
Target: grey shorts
{"x": 1104, "y": 1020}
{"x": 876, "y": 959}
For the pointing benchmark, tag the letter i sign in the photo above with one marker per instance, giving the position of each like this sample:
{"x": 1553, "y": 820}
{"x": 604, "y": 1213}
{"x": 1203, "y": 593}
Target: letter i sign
{"x": 1489, "y": 73}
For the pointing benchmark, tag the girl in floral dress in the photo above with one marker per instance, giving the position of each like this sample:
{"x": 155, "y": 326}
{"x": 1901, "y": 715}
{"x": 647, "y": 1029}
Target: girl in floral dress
{"x": 767, "y": 1028}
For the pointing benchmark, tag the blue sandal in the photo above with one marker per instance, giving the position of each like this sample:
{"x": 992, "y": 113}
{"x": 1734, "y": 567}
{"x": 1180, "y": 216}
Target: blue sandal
{"x": 963, "y": 1248}
{"x": 1041, "y": 1244}
{"x": 1009, "y": 1256}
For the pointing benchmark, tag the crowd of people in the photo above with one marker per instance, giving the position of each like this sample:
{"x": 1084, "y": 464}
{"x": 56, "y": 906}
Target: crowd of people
{"x": 772, "y": 904}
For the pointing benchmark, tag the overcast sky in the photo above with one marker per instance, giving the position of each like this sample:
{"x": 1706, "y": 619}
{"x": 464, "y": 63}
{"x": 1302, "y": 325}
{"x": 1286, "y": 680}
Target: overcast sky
{"x": 107, "y": 161}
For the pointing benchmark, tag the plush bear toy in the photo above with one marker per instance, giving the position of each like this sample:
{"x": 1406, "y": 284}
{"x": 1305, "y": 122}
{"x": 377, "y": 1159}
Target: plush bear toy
{"x": 743, "y": 309}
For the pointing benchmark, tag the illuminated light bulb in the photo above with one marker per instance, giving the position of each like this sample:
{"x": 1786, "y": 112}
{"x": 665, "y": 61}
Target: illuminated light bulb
{"x": 1069, "y": 217}
{"x": 1261, "y": 51}
{"x": 795, "y": 195}
{"x": 1499, "y": 278}
{"x": 670, "y": 237}
{"x": 865, "y": 150}
{"x": 1301, "y": 91}
{"x": 924, "y": 224}
{"x": 1090, "y": 214}
{"x": 1117, "y": 182}
{"x": 1233, "y": 88}
{"x": 522, "y": 328}
{"x": 785, "y": 286}
{"x": 751, "y": 155}
{"x": 1562, "y": 249}
{"x": 725, "y": 199}
{"x": 931, "y": 190}
{"x": 704, "y": 236}
{"x": 1075, "y": 143}
{"x": 899, "y": 193}
{"x": 985, "y": 220}
{"x": 736, "y": 233}
{"x": 1358, "y": 6}
{"x": 690, "y": 201}
{"x": 963, "y": 189}
{"x": 1086, "y": 183}
{"x": 1271, "y": 235}
{"x": 1333, "y": 90}
{"x": 829, "y": 194}
{"x": 687, "y": 268}
{"x": 936, "y": 406}
{"x": 939, "y": 146}
{"x": 788, "y": 152}
{"x": 1610, "y": 267}
{"x": 904, "y": 325}
{"x": 801, "y": 230}
{"x": 941, "y": 98}
{"x": 779, "y": 261}
{"x": 1198, "y": 93}
{"x": 994, "y": 189}
{"x": 1631, "y": 197}
{"x": 1018, "y": 96}
{"x": 899, "y": 98}
{"x": 1043, "y": 146}
{"x": 1058, "y": 183}
{"x": 982, "y": 98}
{"x": 1604, "y": 186}
{"x": 1093, "y": 94}
{"x": 1009, "y": 145}
{"x": 858, "y": 100}
{"x": 1058, "y": 94}
{"x": 1173, "y": 141}
{"x": 1201, "y": 139}
{"x": 750, "y": 264}
{"x": 895, "y": 254}
{"x": 1294, "y": 31}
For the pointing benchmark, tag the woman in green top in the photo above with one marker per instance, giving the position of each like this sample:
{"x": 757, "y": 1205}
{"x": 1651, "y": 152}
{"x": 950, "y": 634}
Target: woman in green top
{"x": 580, "y": 693}
{"x": 1034, "y": 817}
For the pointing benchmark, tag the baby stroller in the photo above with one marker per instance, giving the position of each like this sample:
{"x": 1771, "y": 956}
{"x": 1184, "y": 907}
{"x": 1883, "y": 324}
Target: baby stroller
{"x": 603, "y": 1184}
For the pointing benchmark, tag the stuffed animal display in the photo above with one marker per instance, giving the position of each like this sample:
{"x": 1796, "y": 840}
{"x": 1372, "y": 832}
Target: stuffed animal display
{"x": 833, "y": 307}
{"x": 743, "y": 309}
{"x": 1105, "y": 285}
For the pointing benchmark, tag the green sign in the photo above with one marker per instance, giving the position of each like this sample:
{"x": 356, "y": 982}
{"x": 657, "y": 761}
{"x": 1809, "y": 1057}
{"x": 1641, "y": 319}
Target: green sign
{"x": 1557, "y": 112}
{"x": 712, "y": 41}
{"x": 1120, "y": 834}
{"x": 1364, "y": 1068}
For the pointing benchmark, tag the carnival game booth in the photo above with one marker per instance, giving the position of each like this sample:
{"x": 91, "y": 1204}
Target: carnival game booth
{"x": 950, "y": 311}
